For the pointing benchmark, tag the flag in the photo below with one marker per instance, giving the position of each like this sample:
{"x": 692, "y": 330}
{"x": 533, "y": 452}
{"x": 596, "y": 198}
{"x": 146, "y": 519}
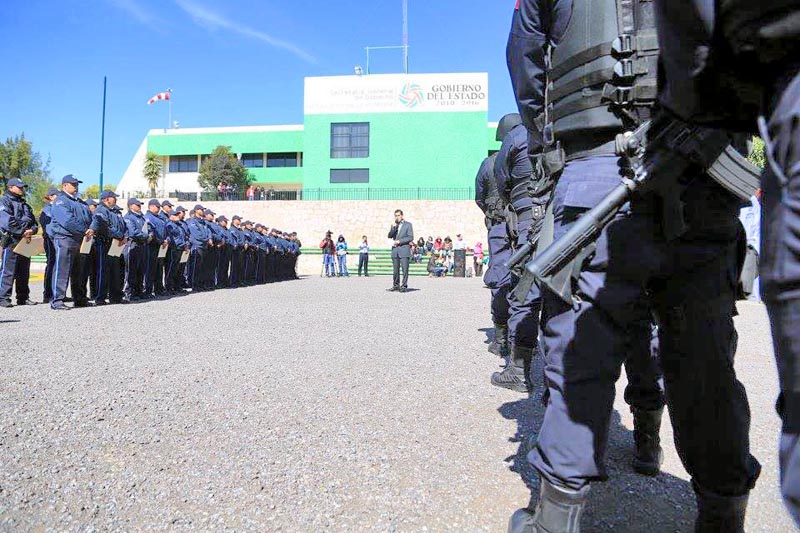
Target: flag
{"x": 159, "y": 96}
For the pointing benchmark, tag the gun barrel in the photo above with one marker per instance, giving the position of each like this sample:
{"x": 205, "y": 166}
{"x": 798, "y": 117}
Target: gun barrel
{"x": 519, "y": 256}
{"x": 583, "y": 232}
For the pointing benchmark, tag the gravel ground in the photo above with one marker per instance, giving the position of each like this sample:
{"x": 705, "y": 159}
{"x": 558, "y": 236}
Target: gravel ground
{"x": 306, "y": 406}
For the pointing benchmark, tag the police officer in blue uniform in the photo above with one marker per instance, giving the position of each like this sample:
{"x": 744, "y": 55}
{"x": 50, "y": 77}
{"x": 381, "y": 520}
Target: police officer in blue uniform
{"x": 107, "y": 227}
{"x": 17, "y": 222}
{"x": 116, "y": 265}
{"x": 49, "y": 249}
{"x": 212, "y": 260}
{"x": 157, "y": 222}
{"x": 298, "y": 246}
{"x": 599, "y": 73}
{"x": 250, "y": 253}
{"x": 497, "y": 277}
{"x": 182, "y": 282}
{"x": 736, "y": 65}
{"x": 177, "y": 246}
{"x": 237, "y": 251}
{"x": 224, "y": 263}
{"x": 67, "y": 229}
{"x": 139, "y": 236}
{"x": 200, "y": 241}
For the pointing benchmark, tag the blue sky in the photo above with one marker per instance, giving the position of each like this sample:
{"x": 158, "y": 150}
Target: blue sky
{"x": 239, "y": 62}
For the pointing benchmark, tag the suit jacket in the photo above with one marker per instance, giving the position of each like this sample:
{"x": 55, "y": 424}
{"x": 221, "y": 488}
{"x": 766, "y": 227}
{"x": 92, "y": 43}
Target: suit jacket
{"x": 405, "y": 236}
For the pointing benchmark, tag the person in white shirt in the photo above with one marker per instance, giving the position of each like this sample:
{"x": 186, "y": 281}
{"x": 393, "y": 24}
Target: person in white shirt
{"x": 750, "y": 217}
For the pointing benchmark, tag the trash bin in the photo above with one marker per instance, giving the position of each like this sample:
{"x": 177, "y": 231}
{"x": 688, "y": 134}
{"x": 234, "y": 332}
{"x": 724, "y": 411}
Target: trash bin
{"x": 460, "y": 260}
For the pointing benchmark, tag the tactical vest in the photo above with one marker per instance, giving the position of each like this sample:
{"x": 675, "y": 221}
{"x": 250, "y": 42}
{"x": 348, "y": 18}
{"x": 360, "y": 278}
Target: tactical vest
{"x": 602, "y": 77}
{"x": 495, "y": 207}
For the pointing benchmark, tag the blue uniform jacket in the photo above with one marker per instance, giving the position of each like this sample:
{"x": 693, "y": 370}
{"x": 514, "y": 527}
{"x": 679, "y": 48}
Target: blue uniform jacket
{"x": 158, "y": 226}
{"x": 70, "y": 218}
{"x": 44, "y": 219}
{"x": 225, "y": 235}
{"x": 199, "y": 234}
{"x": 236, "y": 237}
{"x": 16, "y": 216}
{"x": 103, "y": 224}
{"x": 136, "y": 228}
{"x": 118, "y": 227}
{"x": 175, "y": 234}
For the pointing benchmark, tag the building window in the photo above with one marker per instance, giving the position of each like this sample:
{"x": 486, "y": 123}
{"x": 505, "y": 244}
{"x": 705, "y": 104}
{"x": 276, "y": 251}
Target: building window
{"x": 288, "y": 159}
{"x": 349, "y": 140}
{"x": 183, "y": 163}
{"x": 253, "y": 160}
{"x": 349, "y": 175}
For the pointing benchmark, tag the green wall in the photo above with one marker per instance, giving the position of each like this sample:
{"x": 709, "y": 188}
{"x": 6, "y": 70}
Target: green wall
{"x": 240, "y": 143}
{"x": 407, "y": 150}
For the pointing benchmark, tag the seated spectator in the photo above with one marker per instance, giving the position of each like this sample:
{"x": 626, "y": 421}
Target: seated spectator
{"x": 438, "y": 244}
{"x": 421, "y": 246}
{"x": 416, "y": 253}
{"x": 429, "y": 245}
{"x": 436, "y": 266}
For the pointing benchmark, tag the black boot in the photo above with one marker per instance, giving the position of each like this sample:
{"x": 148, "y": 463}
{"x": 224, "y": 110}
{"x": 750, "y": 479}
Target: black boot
{"x": 515, "y": 376}
{"x": 646, "y": 428}
{"x": 558, "y": 511}
{"x": 499, "y": 345}
{"x": 716, "y": 513}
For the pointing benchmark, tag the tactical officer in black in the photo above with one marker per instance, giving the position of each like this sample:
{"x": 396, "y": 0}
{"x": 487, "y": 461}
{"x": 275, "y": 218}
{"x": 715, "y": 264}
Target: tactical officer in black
{"x": 583, "y": 72}
{"x": 497, "y": 276}
{"x": 735, "y": 65}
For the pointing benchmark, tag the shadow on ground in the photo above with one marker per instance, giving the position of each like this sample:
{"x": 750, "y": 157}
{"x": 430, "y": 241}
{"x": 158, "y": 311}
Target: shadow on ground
{"x": 627, "y": 502}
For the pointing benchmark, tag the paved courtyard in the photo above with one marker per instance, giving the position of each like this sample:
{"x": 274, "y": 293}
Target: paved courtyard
{"x": 306, "y": 406}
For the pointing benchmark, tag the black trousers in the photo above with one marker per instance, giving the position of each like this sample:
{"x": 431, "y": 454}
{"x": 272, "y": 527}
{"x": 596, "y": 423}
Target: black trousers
{"x": 363, "y": 263}
{"x": 399, "y": 263}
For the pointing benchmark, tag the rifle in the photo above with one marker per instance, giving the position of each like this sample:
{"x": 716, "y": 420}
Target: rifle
{"x": 659, "y": 157}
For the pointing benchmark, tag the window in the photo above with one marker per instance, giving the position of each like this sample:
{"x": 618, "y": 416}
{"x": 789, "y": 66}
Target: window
{"x": 349, "y": 175}
{"x": 183, "y": 163}
{"x": 349, "y": 140}
{"x": 253, "y": 160}
{"x": 288, "y": 159}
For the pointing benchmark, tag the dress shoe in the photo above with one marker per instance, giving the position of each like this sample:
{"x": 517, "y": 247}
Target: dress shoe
{"x": 6, "y": 303}
{"x": 403, "y": 289}
{"x": 28, "y": 302}
{"x": 393, "y": 289}
{"x": 98, "y": 303}
{"x": 82, "y": 304}
{"x": 60, "y": 307}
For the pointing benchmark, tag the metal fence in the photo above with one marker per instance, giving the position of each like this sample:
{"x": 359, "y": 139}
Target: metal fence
{"x": 362, "y": 193}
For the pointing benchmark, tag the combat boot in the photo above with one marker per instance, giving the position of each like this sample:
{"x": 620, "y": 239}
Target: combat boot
{"x": 648, "y": 454}
{"x": 558, "y": 511}
{"x": 499, "y": 345}
{"x": 515, "y": 376}
{"x": 719, "y": 513}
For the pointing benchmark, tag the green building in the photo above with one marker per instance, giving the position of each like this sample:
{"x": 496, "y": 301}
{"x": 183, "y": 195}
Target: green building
{"x": 363, "y": 137}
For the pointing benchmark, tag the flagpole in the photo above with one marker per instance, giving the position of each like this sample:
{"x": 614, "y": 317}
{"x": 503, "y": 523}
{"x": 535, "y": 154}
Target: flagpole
{"x": 169, "y": 123}
{"x": 103, "y": 134}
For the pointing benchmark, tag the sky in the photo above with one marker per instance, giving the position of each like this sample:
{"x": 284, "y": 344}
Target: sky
{"x": 232, "y": 63}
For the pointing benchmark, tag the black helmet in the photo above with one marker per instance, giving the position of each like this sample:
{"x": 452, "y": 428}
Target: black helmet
{"x": 506, "y": 124}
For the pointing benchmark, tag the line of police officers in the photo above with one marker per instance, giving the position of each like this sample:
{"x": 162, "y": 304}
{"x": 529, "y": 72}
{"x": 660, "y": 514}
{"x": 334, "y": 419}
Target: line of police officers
{"x": 583, "y": 72}
{"x": 219, "y": 256}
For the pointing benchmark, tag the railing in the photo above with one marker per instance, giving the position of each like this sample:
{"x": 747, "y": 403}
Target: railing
{"x": 361, "y": 193}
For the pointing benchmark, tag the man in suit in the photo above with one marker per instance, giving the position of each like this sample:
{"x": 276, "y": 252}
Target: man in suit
{"x": 403, "y": 234}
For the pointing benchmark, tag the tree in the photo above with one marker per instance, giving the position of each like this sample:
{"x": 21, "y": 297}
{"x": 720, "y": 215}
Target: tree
{"x": 758, "y": 154}
{"x": 18, "y": 160}
{"x": 93, "y": 191}
{"x": 223, "y": 165}
{"x": 152, "y": 171}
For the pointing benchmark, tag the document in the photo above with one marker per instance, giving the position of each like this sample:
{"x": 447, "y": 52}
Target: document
{"x": 185, "y": 256}
{"x": 86, "y": 245}
{"x": 114, "y": 249}
{"x": 162, "y": 252}
{"x": 29, "y": 249}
